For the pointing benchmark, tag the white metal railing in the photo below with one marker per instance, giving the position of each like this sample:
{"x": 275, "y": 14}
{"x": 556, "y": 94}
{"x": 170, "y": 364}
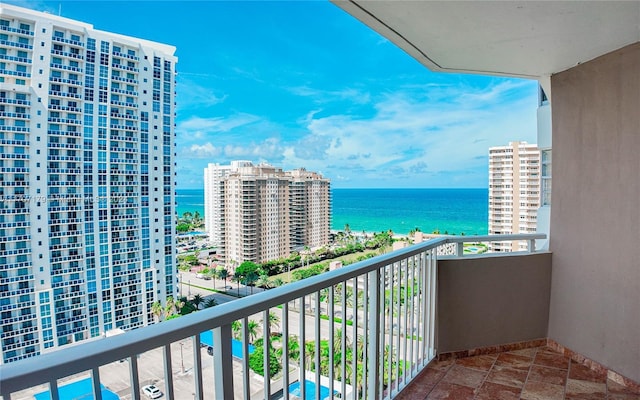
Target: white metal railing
{"x": 456, "y": 245}
{"x": 367, "y": 330}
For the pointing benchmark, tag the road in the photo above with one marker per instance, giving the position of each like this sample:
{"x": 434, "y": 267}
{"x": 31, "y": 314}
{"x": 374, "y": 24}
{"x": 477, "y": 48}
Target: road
{"x": 190, "y": 285}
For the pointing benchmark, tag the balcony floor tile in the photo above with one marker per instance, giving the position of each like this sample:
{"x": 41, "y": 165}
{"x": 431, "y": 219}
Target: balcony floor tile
{"x": 578, "y": 371}
{"x": 528, "y": 374}
{"x": 451, "y": 391}
{"x": 494, "y": 391}
{"x": 481, "y": 363}
{"x": 465, "y": 376}
{"x": 508, "y": 376}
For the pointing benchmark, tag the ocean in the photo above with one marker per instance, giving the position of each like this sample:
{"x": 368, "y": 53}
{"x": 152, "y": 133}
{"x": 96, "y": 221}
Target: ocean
{"x": 453, "y": 211}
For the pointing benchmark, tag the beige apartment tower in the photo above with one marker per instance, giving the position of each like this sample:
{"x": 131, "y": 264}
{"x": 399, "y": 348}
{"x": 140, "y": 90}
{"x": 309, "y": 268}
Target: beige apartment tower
{"x": 514, "y": 192}
{"x": 260, "y": 212}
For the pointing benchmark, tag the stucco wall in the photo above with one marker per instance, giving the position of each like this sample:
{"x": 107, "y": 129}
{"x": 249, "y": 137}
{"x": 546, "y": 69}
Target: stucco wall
{"x": 492, "y": 300}
{"x": 595, "y": 212}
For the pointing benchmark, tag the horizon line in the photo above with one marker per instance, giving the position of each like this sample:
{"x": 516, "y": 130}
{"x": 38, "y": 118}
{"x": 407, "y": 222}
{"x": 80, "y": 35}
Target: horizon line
{"x": 384, "y": 188}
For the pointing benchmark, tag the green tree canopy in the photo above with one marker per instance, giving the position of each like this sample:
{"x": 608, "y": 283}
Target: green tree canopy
{"x": 183, "y": 227}
{"x": 247, "y": 268}
{"x": 256, "y": 361}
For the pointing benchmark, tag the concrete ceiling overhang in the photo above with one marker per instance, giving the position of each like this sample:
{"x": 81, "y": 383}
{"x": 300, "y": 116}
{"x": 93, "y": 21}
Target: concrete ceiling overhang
{"x": 529, "y": 39}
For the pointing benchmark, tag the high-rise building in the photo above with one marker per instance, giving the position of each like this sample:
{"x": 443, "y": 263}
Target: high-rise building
{"x": 514, "y": 192}
{"x": 86, "y": 183}
{"x": 214, "y": 176}
{"x": 260, "y": 212}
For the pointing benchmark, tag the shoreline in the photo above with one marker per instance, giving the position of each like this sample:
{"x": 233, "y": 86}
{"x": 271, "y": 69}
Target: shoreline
{"x": 446, "y": 211}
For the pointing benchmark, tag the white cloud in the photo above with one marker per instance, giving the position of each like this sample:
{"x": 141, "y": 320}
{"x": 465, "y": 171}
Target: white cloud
{"x": 217, "y": 124}
{"x": 326, "y": 96}
{"x": 206, "y": 150}
{"x": 269, "y": 150}
{"x": 192, "y": 95}
{"x": 436, "y": 136}
{"x": 410, "y": 138}
{"x": 266, "y": 150}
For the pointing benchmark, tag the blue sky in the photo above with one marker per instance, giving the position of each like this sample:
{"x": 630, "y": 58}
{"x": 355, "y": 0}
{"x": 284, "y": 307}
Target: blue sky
{"x": 303, "y": 84}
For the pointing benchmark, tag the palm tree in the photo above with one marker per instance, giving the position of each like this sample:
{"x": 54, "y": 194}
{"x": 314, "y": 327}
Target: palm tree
{"x": 294, "y": 348}
{"x": 307, "y": 253}
{"x": 169, "y": 308}
{"x": 196, "y": 301}
{"x": 211, "y": 302}
{"x": 253, "y": 328}
{"x": 223, "y": 274}
{"x": 157, "y": 310}
{"x": 180, "y": 303}
{"x": 197, "y": 220}
{"x": 263, "y": 281}
{"x": 274, "y": 321}
{"x": 250, "y": 280}
{"x": 235, "y": 328}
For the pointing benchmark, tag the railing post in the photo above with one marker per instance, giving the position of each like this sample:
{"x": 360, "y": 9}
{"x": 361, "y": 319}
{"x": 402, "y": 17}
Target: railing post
{"x": 460, "y": 249}
{"x": 433, "y": 321}
{"x": 95, "y": 381}
{"x": 373, "y": 350}
{"x": 134, "y": 377}
{"x": 197, "y": 368}
{"x": 532, "y": 245}
{"x": 266, "y": 355}
{"x": 222, "y": 363}
{"x": 53, "y": 389}
{"x": 168, "y": 370}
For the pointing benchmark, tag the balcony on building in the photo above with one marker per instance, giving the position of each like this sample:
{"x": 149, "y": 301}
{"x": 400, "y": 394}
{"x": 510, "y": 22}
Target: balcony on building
{"x": 429, "y": 319}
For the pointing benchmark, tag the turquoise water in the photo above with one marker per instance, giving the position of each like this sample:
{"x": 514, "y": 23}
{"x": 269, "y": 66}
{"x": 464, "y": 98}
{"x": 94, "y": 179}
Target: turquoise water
{"x": 310, "y": 390}
{"x": 401, "y": 210}
{"x": 206, "y": 337}
{"x": 82, "y": 389}
{"x": 191, "y": 200}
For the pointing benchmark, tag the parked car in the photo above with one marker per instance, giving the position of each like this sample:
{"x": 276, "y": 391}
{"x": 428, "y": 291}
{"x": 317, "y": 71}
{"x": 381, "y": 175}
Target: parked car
{"x": 151, "y": 391}
{"x": 200, "y": 276}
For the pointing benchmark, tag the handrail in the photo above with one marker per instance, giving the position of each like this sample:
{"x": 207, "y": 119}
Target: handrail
{"x": 86, "y": 356}
{"x": 495, "y": 238}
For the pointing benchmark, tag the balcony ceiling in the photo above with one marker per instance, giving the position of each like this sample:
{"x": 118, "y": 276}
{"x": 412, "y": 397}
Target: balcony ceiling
{"x": 531, "y": 39}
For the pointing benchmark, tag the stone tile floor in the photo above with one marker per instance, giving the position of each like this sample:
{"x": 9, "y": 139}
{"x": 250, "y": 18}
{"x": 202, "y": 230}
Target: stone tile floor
{"x": 529, "y": 374}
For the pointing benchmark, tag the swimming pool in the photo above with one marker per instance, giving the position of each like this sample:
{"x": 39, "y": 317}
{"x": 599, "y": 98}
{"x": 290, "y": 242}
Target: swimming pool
{"x": 206, "y": 338}
{"x": 193, "y": 234}
{"x": 79, "y": 390}
{"x": 310, "y": 390}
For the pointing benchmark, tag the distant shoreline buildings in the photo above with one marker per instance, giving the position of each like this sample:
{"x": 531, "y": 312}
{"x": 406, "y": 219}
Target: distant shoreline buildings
{"x": 260, "y": 212}
{"x": 87, "y": 204}
{"x": 514, "y": 192}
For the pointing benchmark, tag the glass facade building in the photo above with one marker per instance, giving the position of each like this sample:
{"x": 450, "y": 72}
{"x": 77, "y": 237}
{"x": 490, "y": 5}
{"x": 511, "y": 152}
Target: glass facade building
{"x": 87, "y": 172}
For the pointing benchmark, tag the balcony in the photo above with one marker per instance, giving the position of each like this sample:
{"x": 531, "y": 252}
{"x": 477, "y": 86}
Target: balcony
{"x": 390, "y": 350}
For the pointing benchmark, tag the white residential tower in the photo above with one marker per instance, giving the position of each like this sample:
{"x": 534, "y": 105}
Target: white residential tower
{"x": 86, "y": 181}
{"x": 514, "y": 192}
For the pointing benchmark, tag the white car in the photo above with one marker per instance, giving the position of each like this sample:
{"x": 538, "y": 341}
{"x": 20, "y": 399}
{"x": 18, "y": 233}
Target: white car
{"x": 151, "y": 391}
